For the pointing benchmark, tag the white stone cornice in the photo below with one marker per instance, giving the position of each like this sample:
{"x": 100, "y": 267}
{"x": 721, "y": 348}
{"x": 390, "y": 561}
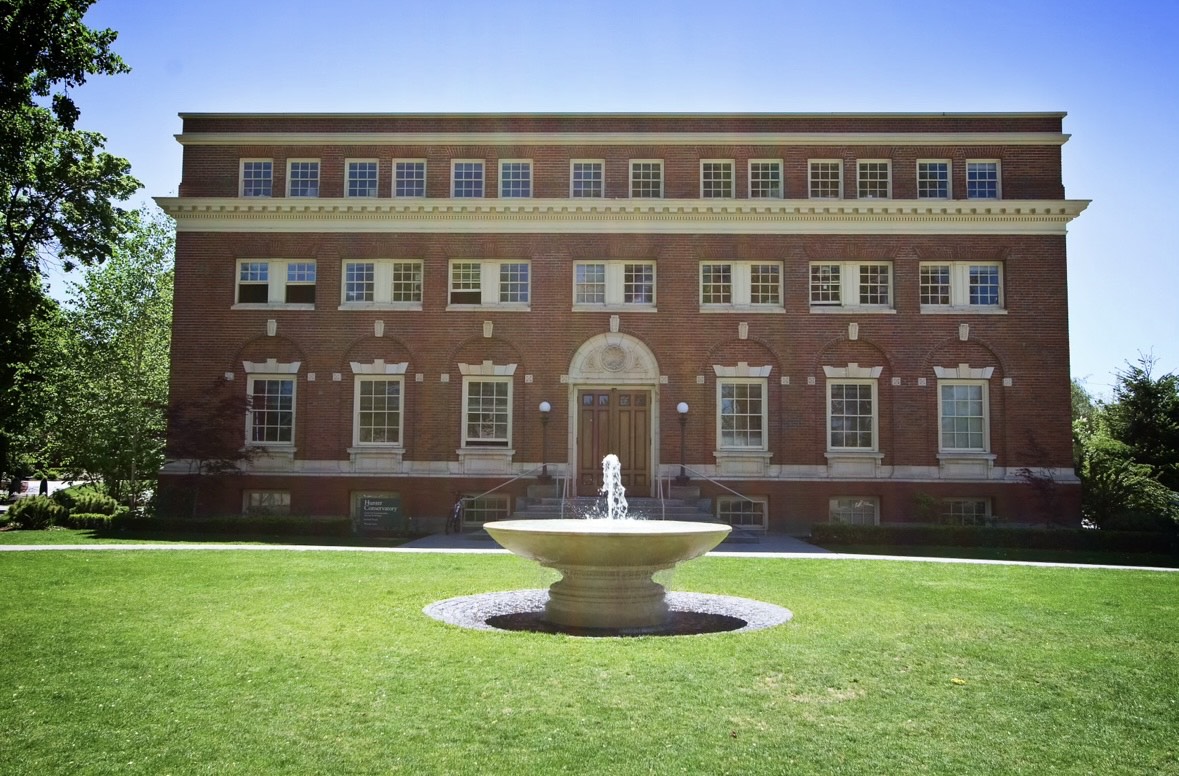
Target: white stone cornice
{"x": 622, "y": 138}
{"x": 669, "y": 216}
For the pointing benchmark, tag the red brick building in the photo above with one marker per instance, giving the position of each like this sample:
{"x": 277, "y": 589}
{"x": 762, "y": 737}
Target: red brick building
{"x": 863, "y": 316}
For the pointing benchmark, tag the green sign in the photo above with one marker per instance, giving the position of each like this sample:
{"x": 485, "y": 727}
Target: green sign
{"x": 380, "y": 514}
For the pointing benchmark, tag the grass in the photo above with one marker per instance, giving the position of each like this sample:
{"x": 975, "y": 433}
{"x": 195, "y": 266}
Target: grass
{"x": 274, "y": 662}
{"x": 1094, "y": 557}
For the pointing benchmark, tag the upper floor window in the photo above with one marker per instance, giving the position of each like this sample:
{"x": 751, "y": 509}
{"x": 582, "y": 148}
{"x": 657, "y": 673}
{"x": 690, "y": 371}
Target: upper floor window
{"x": 381, "y": 283}
{"x": 257, "y": 178}
{"x": 466, "y": 178}
{"x": 851, "y": 284}
{"x": 740, "y": 285}
{"x": 646, "y": 178}
{"x": 961, "y": 285}
{"x": 377, "y": 414}
{"x": 409, "y": 178}
{"x": 874, "y": 179}
{"x": 586, "y": 178}
{"x": 933, "y": 179}
{"x": 606, "y": 283}
{"x": 982, "y": 180}
{"x": 515, "y": 178}
{"x": 272, "y": 410}
{"x": 765, "y": 179}
{"x": 303, "y": 178}
{"x": 741, "y": 414}
{"x": 826, "y": 178}
{"x": 963, "y": 416}
{"x": 854, "y": 510}
{"x": 851, "y": 415}
{"x": 498, "y": 283}
{"x": 362, "y": 178}
{"x": 275, "y": 282}
{"x": 716, "y": 179}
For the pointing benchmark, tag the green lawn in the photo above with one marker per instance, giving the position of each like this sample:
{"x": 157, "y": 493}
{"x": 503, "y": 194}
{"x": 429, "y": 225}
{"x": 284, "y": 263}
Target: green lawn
{"x": 244, "y": 662}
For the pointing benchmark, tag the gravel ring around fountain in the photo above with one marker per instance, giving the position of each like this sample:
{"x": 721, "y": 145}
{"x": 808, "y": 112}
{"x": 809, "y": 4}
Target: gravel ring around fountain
{"x": 692, "y": 614}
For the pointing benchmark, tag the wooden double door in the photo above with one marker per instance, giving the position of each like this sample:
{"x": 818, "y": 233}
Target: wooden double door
{"x": 614, "y": 420}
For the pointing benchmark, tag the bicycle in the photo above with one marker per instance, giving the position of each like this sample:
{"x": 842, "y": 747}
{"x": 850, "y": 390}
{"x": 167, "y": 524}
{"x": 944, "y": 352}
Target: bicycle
{"x": 455, "y": 522}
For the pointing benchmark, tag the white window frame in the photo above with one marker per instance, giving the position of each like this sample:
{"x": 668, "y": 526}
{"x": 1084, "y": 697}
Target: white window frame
{"x": 253, "y": 411}
{"x": 849, "y": 286}
{"x": 255, "y": 502}
{"x": 741, "y": 287}
{"x": 923, "y": 179}
{"x": 631, "y": 178}
{"x": 277, "y": 282}
{"x": 758, "y": 507}
{"x": 842, "y": 504}
{"x": 318, "y": 178}
{"x": 998, "y": 177}
{"x": 490, "y": 286}
{"x": 860, "y": 172}
{"x": 615, "y": 286}
{"x": 497, "y": 443}
{"x": 398, "y": 180}
{"x": 947, "y": 513}
{"x": 960, "y": 273}
{"x": 384, "y": 273}
{"x": 781, "y": 189}
{"x": 600, "y": 164}
{"x": 719, "y": 165}
{"x": 527, "y": 163}
{"x": 482, "y": 165}
{"x": 376, "y": 181}
{"x": 359, "y": 380}
{"x": 764, "y": 401}
{"x": 875, "y": 398}
{"x": 241, "y": 188}
{"x": 811, "y": 180}
{"x": 986, "y": 415}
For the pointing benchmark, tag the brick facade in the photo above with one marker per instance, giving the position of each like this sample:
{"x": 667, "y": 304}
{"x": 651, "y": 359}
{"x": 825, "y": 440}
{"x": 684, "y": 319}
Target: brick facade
{"x": 678, "y": 347}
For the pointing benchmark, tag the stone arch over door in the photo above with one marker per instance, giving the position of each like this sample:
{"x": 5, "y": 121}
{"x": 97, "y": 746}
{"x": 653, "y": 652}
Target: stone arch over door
{"x": 613, "y": 398}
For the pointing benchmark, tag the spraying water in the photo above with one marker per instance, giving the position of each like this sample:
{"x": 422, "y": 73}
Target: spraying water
{"x": 613, "y": 488}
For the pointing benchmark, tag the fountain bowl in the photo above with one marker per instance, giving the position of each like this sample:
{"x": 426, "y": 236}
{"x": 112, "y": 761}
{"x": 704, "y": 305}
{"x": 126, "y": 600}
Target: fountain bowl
{"x": 607, "y": 566}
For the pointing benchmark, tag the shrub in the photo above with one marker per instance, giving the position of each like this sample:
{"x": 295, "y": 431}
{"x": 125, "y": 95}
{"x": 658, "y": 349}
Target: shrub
{"x": 36, "y": 513}
{"x": 980, "y": 536}
{"x": 94, "y": 520}
{"x": 238, "y": 525}
{"x": 94, "y": 503}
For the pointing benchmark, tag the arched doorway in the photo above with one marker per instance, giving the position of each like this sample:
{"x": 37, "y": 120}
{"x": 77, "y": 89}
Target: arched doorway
{"x": 614, "y": 396}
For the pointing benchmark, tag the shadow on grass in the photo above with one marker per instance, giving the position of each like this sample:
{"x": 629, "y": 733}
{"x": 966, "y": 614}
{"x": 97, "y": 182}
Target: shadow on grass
{"x": 1088, "y": 557}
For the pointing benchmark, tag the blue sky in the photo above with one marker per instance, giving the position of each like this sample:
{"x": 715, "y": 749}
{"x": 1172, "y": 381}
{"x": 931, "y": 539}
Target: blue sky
{"x": 1109, "y": 65}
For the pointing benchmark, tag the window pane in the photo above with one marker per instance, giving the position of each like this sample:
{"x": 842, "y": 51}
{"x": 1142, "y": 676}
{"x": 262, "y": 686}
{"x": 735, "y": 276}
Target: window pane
{"x": 409, "y": 179}
{"x": 379, "y": 412}
{"x": 982, "y": 180}
{"x": 513, "y": 283}
{"x": 874, "y": 284}
{"x": 741, "y": 415}
{"x": 515, "y": 179}
{"x": 873, "y": 181}
{"x": 716, "y": 179}
{"x": 468, "y": 179}
{"x": 765, "y": 284}
{"x": 851, "y": 416}
{"x": 638, "y": 284}
{"x": 257, "y": 179}
{"x": 933, "y": 180}
{"x": 466, "y": 283}
{"x": 716, "y": 284}
{"x": 646, "y": 179}
{"x": 407, "y": 282}
{"x": 359, "y": 281}
{"x": 304, "y": 179}
{"x": 586, "y": 179}
{"x": 825, "y": 179}
{"x": 487, "y": 413}
{"x": 984, "y": 285}
{"x": 765, "y": 179}
{"x": 362, "y": 179}
{"x": 589, "y": 283}
{"x": 825, "y": 284}
{"x": 272, "y": 410}
{"x": 935, "y": 284}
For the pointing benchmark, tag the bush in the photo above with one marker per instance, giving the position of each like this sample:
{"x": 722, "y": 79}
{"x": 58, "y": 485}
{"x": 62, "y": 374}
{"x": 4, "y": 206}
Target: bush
{"x": 239, "y": 525}
{"x": 94, "y": 520}
{"x": 978, "y": 536}
{"x": 36, "y": 513}
{"x": 94, "y": 503}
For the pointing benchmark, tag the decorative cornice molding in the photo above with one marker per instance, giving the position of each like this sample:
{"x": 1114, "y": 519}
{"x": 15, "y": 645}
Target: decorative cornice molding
{"x": 622, "y": 138}
{"x": 671, "y": 216}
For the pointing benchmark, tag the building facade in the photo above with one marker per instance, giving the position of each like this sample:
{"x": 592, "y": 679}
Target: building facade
{"x": 858, "y": 317}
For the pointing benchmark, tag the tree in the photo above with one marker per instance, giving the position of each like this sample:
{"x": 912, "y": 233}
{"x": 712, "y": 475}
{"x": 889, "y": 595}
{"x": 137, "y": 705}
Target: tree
{"x": 58, "y": 190}
{"x": 1144, "y": 416}
{"x": 1119, "y": 492}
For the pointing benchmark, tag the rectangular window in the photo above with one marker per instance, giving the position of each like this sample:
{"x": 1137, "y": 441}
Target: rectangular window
{"x": 826, "y": 178}
{"x": 586, "y": 179}
{"x": 716, "y": 179}
{"x": 613, "y": 283}
{"x": 741, "y": 284}
{"x": 851, "y": 415}
{"x": 874, "y": 179}
{"x": 466, "y": 178}
{"x": 966, "y": 511}
{"x": 963, "y": 416}
{"x": 742, "y": 512}
{"x": 266, "y": 502}
{"x": 362, "y": 178}
{"x": 303, "y": 178}
{"x": 409, "y": 178}
{"x": 854, "y": 510}
{"x": 382, "y": 283}
{"x": 741, "y": 414}
{"x": 485, "y": 509}
{"x": 765, "y": 179}
{"x": 982, "y": 180}
{"x": 276, "y": 282}
{"x": 257, "y": 178}
{"x": 851, "y": 285}
{"x": 646, "y": 179}
{"x": 933, "y": 179}
{"x": 272, "y": 410}
{"x": 490, "y": 283}
{"x": 515, "y": 178}
{"x": 487, "y": 412}
{"x": 961, "y": 285}
{"x": 378, "y": 411}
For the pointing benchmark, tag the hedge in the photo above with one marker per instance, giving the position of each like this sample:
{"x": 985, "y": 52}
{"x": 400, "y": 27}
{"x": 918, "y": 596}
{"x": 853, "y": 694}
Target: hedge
{"x": 987, "y": 536}
{"x": 36, "y": 513}
{"x": 255, "y": 525}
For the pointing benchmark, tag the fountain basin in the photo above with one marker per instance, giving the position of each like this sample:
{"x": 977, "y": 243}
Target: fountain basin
{"x": 607, "y": 565}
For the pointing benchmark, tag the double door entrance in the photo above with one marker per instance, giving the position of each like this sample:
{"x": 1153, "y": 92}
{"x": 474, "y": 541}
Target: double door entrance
{"x": 614, "y": 420}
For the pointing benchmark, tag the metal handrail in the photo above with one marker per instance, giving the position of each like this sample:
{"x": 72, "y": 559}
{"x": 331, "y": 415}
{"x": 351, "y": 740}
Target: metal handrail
{"x": 505, "y": 483}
